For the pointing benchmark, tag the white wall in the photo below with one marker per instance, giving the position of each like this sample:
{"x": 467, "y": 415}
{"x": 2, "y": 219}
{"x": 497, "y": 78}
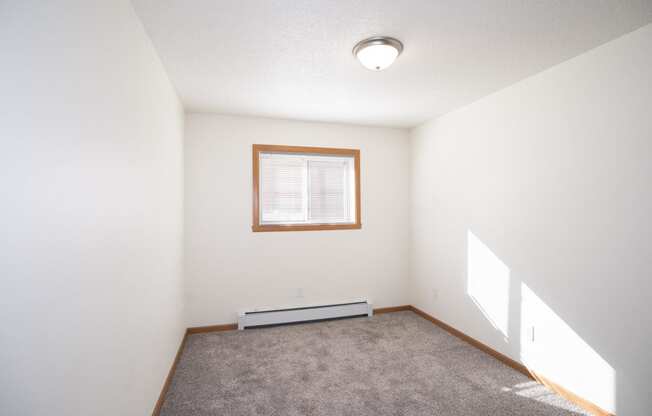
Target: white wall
{"x": 531, "y": 208}
{"x": 90, "y": 211}
{"x": 229, "y": 267}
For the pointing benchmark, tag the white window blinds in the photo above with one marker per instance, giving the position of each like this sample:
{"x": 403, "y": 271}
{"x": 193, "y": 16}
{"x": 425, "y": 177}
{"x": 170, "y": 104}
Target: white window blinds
{"x": 283, "y": 189}
{"x": 306, "y": 189}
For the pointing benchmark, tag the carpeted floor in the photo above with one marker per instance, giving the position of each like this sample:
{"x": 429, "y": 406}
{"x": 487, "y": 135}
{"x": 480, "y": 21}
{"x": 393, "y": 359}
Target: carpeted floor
{"x": 391, "y": 364}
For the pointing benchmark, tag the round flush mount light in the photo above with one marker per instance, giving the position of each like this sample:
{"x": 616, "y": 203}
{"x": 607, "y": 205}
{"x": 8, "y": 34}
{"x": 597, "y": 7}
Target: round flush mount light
{"x": 377, "y": 53}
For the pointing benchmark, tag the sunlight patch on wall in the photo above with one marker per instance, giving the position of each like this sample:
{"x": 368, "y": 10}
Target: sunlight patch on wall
{"x": 488, "y": 283}
{"x": 550, "y": 347}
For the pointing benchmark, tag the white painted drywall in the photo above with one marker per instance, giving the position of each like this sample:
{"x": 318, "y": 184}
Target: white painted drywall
{"x": 229, "y": 267}
{"x": 544, "y": 191}
{"x": 90, "y": 209}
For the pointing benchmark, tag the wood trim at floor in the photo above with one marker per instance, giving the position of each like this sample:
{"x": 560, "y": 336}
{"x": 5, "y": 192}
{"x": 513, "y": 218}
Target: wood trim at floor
{"x": 389, "y": 309}
{"x": 168, "y": 379}
{"x": 571, "y": 397}
{"x": 211, "y": 328}
{"x": 567, "y": 394}
{"x": 479, "y": 345}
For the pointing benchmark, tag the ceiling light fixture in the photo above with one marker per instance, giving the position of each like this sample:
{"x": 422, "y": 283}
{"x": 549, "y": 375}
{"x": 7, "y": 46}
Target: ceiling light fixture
{"x": 377, "y": 53}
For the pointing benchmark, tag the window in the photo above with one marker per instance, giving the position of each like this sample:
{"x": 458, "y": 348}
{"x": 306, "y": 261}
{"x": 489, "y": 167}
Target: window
{"x": 305, "y": 188}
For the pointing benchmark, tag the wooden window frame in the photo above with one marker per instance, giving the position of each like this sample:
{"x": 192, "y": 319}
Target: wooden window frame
{"x": 327, "y": 151}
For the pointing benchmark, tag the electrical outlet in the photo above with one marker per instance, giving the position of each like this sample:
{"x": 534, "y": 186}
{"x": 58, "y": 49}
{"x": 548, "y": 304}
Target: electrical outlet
{"x": 299, "y": 292}
{"x": 435, "y": 294}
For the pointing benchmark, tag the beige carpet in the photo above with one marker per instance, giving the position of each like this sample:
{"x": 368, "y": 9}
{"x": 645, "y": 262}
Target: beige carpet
{"x": 391, "y": 364}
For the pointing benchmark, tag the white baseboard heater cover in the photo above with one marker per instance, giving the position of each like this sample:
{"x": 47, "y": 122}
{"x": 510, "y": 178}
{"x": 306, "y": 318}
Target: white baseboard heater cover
{"x": 262, "y": 317}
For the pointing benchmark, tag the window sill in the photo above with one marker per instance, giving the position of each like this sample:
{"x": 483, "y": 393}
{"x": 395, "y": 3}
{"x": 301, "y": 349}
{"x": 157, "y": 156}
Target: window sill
{"x": 304, "y": 227}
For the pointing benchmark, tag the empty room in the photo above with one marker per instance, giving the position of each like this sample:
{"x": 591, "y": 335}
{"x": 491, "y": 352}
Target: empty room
{"x": 326, "y": 207}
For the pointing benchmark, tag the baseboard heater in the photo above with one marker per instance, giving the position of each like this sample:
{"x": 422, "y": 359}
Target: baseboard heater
{"x": 264, "y": 317}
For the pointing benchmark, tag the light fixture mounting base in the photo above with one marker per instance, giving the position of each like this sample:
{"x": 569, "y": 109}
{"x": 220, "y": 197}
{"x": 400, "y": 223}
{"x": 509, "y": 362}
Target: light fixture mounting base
{"x": 378, "y": 40}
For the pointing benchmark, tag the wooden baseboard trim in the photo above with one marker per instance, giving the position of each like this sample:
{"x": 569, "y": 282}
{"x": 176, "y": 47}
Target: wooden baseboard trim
{"x": 389, "y": 309}
{"x": 211, "y": 328}
{"x": 168, "y": 379}
{"x": 479, "y": 345}
{"x": 568, "y": 395}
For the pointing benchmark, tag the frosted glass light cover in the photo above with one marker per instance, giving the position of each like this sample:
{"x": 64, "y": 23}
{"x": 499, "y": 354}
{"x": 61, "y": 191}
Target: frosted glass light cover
{"x": 377, "y": 57}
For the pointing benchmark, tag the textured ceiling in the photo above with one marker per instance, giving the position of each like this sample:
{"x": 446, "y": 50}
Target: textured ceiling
{"x": 292, "y": 58}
